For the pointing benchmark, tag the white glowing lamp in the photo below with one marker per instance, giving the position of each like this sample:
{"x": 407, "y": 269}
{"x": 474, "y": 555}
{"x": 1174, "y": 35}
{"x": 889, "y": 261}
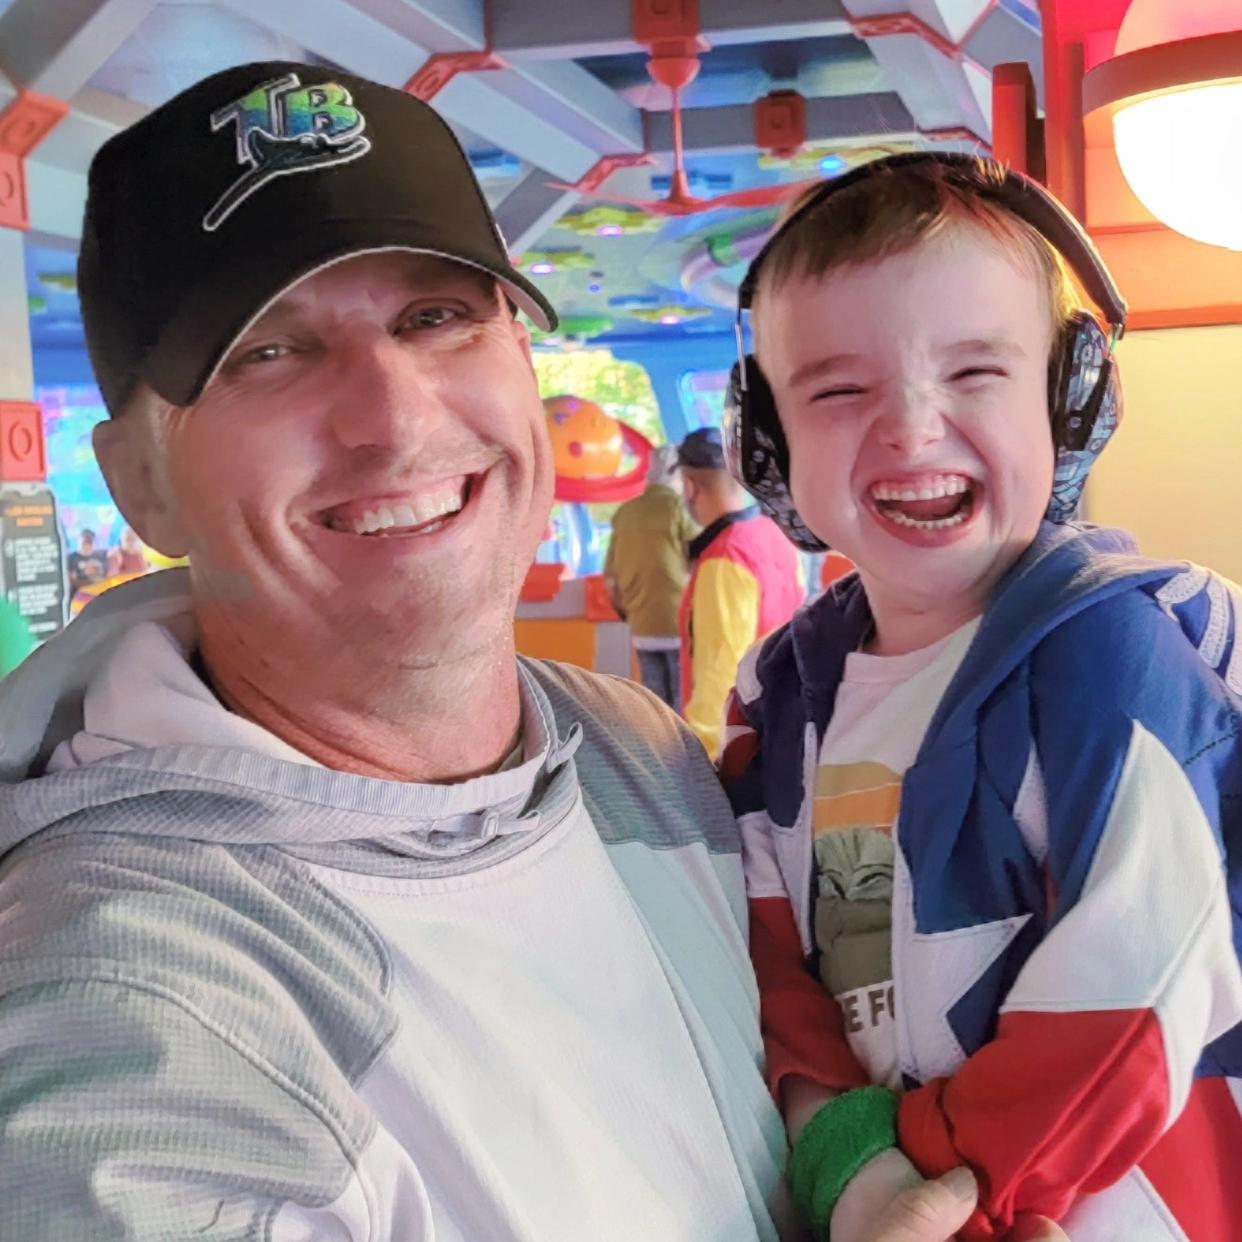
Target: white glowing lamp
{"x": 1175, "y": 88}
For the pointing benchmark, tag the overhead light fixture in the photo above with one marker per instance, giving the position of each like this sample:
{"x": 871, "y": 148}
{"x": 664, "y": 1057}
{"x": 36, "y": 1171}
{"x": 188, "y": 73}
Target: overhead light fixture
{"x": 1174, "y": 88}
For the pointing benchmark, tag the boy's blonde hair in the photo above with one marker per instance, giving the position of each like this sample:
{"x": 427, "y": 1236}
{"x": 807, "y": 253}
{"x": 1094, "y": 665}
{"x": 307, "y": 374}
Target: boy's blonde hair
{"x": 892, "y": 212}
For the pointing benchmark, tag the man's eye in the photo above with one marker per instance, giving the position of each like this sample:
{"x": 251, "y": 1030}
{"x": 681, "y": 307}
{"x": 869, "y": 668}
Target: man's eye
{"x": 263, "y": 353}
{"x": 431, "y": 316}
{"x": 967, "y": 373}
{"x": 842, "y": 390}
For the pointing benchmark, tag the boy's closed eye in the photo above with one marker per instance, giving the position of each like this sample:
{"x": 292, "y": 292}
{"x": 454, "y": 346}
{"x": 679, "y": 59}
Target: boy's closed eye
{"x": 978, "y": 372}
{"x": 838, "y": 390}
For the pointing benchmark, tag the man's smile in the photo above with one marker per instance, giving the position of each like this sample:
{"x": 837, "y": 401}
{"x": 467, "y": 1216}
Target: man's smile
{"x": 411, "y": 512}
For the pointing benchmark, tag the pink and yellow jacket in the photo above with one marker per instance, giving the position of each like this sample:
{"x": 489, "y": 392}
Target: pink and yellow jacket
{"x": 745, "y": 580}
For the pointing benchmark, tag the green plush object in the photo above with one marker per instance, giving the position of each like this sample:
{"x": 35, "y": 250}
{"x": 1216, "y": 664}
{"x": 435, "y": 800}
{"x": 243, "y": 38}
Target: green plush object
{"x": 16, "y": 642}
{"x": 837, "y": 1142}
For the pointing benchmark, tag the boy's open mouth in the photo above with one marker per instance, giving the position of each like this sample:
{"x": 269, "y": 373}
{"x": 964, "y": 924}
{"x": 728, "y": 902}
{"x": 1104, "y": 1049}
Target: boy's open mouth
{"x": 937, "y": 502}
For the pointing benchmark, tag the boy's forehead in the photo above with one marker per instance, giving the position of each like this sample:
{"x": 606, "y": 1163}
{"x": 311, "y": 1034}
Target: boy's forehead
{"x": 946, "y": 294}
{"x": 964, "y": 259}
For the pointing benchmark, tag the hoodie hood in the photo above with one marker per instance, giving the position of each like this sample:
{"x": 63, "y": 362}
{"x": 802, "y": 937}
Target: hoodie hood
{"x": 186, "y": 767}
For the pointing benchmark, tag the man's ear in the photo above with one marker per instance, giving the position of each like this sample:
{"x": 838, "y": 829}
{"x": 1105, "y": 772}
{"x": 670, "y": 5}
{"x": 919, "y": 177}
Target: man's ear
{"x": 522, "y": 332}
{"x": 133, "y": 468}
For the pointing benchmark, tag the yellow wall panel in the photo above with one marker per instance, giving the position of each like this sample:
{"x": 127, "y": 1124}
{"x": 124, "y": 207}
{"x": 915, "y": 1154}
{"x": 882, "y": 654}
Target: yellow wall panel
{"x": 1173, "y": 474}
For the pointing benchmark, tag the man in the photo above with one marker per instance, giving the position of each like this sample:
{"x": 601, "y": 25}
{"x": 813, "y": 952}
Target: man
{"x": 646, "y": 573}
{"x": 321, "y": 914}
{"x": 745, "y": 580}
{"x": 86, "y": 565}
{"x": 313, "y": 921}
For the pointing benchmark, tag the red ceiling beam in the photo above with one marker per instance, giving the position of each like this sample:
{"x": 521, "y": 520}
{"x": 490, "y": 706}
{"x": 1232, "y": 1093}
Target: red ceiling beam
{"x": 605, "y": 166}
{"x": 885, "y": 24}
{"x": 443, "y": 67}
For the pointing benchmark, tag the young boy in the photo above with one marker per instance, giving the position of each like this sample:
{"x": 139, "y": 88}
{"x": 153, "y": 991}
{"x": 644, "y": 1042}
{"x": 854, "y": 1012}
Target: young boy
{"x": 990, "y": 786}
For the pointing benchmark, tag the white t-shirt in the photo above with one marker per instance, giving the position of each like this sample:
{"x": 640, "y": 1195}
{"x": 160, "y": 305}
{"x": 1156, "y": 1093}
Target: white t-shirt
{"x": 882, "y": 711}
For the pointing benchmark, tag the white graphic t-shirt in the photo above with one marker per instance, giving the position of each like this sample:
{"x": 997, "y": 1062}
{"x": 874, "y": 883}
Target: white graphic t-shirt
{"x": 882, "y": 711}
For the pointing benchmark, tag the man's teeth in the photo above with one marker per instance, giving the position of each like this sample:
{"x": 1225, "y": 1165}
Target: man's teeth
{"x": 933, "y": 489}
{"x": 424, "y": 509}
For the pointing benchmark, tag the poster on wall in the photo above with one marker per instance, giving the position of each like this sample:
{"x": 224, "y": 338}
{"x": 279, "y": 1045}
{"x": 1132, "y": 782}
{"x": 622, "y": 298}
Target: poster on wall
{"x": 32, "y": 557}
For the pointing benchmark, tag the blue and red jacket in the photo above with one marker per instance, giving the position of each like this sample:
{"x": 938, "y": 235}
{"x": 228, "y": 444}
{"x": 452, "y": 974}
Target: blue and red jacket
{"x": 1067, "y": 903}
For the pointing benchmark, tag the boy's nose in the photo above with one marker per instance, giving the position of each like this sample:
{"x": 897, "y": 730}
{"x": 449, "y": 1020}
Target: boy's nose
{"x": 913, "y": 417}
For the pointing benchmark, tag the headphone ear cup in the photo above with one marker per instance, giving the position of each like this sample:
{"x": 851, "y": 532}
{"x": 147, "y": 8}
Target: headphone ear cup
{"x": 733, "y": 427}
{"x": 1084, "y": 401}
{"x": 757, "y": 452}
{"x": 762, "y": 418}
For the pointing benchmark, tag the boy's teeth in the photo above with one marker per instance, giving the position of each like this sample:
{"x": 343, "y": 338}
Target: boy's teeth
{"x": 935, "y": 524}
{"x": 933, "y": 489}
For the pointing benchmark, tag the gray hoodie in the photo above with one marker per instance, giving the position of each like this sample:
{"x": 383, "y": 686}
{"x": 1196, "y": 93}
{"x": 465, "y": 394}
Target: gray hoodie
{"x": 231, "y": 1001}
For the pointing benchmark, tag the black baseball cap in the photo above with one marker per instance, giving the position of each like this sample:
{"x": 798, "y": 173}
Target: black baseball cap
{"x": 207, "y": 209}
{"x": 702, "y": 450}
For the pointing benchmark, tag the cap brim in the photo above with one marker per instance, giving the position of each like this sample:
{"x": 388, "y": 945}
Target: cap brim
{"x": 197, "y": 337}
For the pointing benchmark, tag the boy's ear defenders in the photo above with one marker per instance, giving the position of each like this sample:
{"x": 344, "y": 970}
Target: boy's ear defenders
{"x": 1084, "y": 391}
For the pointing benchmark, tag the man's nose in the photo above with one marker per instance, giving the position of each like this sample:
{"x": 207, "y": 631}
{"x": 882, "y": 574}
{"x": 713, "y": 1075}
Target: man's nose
{"x": 912, "y": 417}
{"x": 387, "y": 395}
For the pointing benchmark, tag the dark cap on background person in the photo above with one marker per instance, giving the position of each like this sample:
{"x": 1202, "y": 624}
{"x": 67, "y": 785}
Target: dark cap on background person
{"x": 702, "y": 450}
{"x": 206, "y": 210}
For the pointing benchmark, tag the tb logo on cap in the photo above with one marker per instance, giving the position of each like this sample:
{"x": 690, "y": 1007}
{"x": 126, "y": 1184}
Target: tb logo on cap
{"x": 284, "y": 127}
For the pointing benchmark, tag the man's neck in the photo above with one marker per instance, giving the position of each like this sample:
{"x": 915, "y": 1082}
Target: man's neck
{"x": 713, "y": 508}
{"x": 435, "y": 725}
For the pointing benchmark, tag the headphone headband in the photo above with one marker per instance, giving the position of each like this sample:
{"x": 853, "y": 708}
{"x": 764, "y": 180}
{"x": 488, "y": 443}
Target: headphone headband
{"x": 1026, "y": 198}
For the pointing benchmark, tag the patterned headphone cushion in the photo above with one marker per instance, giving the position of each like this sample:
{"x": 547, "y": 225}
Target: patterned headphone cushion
{"x": 757, "y": 453}
{"x": 1084, "y": 402}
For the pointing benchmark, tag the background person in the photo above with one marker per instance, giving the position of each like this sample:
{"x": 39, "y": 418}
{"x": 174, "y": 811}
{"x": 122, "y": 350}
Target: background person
{"x": 128, "y": 556}
{"x": 745, "y": 581}
{"x": 88, "y": 564}
{"x": 646, "y": 571}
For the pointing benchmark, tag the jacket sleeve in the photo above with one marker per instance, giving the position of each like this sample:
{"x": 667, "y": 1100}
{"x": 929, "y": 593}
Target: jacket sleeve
{"x": 1100, "y": 1036}
{"x": 803, "y": 1028}
{"x": 124, "y": 1115}
{"x": 724, "y": 620}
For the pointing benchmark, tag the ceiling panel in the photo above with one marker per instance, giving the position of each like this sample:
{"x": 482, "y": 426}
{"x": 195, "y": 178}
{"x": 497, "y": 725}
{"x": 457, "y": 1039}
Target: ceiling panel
{"x": 577, "y": 89}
